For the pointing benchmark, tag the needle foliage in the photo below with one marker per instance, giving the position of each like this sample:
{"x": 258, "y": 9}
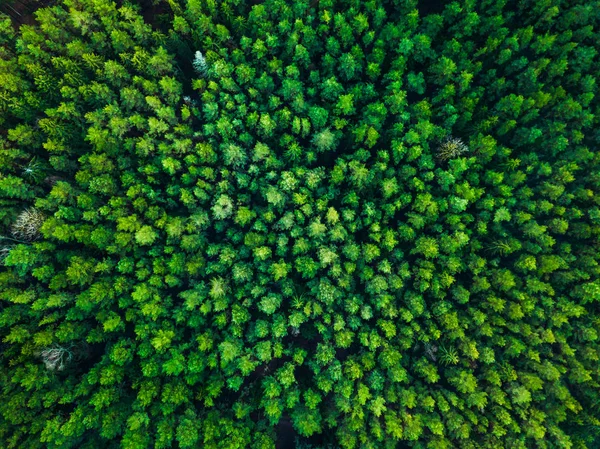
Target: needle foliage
{"x": 372, "y": 224}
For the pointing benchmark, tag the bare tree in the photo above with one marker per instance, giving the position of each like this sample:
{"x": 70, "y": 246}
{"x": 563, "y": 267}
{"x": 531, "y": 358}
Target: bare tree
{"x": 27, "y": 226}
{"x": 450, "y": 148}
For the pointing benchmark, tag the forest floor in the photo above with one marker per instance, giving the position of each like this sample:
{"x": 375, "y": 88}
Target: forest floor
{"x": 22, "y": 12}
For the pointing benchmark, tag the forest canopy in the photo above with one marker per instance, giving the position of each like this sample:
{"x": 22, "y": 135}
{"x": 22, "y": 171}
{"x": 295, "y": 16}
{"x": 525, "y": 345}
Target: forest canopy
{"x": 312, "y": 224}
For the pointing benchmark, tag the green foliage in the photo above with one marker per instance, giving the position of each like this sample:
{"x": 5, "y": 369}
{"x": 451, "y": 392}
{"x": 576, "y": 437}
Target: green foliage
{"x": 246, "y": 219}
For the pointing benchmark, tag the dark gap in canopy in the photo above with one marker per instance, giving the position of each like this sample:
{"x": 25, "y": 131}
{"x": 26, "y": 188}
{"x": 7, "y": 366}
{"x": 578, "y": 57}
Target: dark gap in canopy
{"x": 427, "y": 7}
